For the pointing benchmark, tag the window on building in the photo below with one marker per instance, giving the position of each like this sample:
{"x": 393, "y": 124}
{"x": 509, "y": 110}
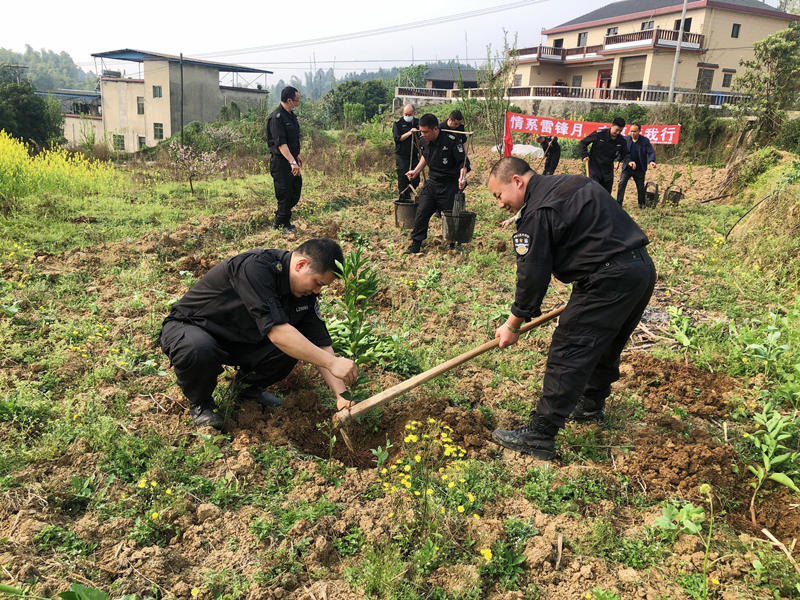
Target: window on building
{"x": 139, "y": 105}
{"x": 559, "y": 43}
{"x": 583, "y": 37}
{"x": 119, "y": 142}
{"x": 577, "y": 80}
{"x": 156, "y": 91}
{"x": 517, "y": 80}
{"x": 647, "y": 25}
{"x": 142, "y": 142}
{"x": 735, "y": 30}
{"x": 612, "y": 31}
{"x": 726, "y": 79}
{"x": 705, "y": 77}
{"x": 687, "y": 24}
{"x": 158, "y": 131}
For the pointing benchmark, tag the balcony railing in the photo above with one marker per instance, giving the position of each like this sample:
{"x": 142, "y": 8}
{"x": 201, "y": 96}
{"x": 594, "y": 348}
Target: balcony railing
{"x": 648, "y": 37}
{"x": 585, "y": 94}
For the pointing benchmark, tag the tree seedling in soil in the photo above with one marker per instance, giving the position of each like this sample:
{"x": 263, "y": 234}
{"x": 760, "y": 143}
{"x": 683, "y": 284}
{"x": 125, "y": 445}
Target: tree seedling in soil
{"x": 767, "y": 438}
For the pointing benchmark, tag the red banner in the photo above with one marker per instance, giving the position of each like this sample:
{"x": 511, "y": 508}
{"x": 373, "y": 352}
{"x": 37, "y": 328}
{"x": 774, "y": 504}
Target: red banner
{"x": 565, "y": 128}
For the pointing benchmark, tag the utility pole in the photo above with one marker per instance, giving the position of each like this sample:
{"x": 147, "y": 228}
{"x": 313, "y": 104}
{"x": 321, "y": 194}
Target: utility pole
{"x": 677, "y": 56}
{"x": 181, "y": 98}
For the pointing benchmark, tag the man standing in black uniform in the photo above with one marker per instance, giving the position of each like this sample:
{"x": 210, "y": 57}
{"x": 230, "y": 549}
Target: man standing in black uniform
{"x": 552, "y": 153}
{"x": 405, "y": 150}
{"x": 570, "y": 227}
{"x": 607, "y": 144}
{"x": 642, "y": 153}
{"x": 259, "y": 311}
{"x": 283, "y": 139}
{"x": 447, "y": 174}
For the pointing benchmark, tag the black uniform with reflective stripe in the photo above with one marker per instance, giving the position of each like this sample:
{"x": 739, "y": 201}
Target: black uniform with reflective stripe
{"x": 240, "y": 299}
{"x": 444, "y": 156}
{"x": 283, "y": 128}
{"x": 568, "y": 227}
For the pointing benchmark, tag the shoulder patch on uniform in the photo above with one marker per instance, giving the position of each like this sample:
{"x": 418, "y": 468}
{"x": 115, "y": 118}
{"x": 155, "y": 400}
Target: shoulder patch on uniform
{"x": 278, "y": 267}
{"x": 451, "y": 136}
{"x": 522, "y": 243}
{"x": 316, "y": 308}
{"x": 460, "y": 148}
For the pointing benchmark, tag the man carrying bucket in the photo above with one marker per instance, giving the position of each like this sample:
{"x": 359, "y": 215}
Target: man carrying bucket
{"x": 447, "y": 174}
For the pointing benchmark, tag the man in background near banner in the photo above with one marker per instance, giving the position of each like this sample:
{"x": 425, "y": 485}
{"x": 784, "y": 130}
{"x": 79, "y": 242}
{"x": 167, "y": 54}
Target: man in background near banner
{"x": 405, "y": 150}
{"x": 552, "y": 153}
{"x": 447, "y": 174}
{"x": 643, "y": 154}
{"x": 607, "y": 144}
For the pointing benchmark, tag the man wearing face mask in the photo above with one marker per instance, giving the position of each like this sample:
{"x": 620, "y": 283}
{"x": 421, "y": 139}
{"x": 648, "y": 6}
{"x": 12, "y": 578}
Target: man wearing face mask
{"x": 283, "y": 139}
{"x": 607, "y": 144}
{"x": 405, "y": 150}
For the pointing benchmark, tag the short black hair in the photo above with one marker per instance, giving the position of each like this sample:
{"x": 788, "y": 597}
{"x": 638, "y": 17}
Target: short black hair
{"x": 322, "y": 253}
{"x": 456, "y": 115}
{"x": 288, "y": 93}
{"x": 618, "y": 121}
{"x": 428, "y": 120}
{"x": 639, "y": 125}
{"x": 507, "y": 167}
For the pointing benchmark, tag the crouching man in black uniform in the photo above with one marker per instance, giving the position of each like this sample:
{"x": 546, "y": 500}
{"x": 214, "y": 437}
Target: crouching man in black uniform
{"x": 258, "y": 311}
{"x": 447, "y": 174}
{"x": 569, "y": 226}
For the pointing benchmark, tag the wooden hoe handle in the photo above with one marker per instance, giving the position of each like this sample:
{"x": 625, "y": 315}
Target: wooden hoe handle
{"x": 344, "y": 415}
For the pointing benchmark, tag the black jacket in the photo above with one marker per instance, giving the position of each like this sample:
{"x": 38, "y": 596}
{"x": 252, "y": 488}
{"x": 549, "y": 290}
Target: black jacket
{"x": 283, "y": 128}
{"x": 568, "y": 227}
{"x": 552, "y": 152}
{"x": 406, "y": 148}
{"x": 444, "y": 156}
{"x": 604, "y": 150}
{"x": 240, "y": 299}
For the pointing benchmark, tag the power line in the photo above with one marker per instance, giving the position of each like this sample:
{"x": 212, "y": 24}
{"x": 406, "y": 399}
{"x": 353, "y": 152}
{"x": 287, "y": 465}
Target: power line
{"x": 373, "y": 32}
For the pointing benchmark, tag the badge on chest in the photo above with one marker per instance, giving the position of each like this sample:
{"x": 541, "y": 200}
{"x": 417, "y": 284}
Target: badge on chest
{"x": 522, "y": 243}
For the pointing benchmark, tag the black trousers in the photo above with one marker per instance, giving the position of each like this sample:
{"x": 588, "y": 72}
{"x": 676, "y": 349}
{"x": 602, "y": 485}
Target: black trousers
{"x": 638, "y": 176}
{"x": 603, "y": 176}
{"x": 433, "y": 196}
{"x": 402, "y": 181}
{"x": 601, "y": 315}
{"x": 198, "y": 358}
{"x": 287, "y": 189}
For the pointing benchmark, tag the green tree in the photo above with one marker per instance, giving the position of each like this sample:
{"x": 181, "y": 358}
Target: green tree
{"x": 353, "y": 113}
{"x": 772, "y": 78}
{"x": 374, "y": 95}
{"x": 29, "y": 117}
{"x": 48, "y": 70}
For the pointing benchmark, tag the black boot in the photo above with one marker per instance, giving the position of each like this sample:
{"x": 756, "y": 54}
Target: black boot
{"x": 589, "y": 411}
{"x": 204, "y": 416}
{"x": 262, "y": 397}
{"x": 414, "y": 248}
{"x": 537, "y": 438}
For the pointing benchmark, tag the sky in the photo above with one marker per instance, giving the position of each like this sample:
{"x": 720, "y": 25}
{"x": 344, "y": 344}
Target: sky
{"x": 216, "y": 31}
{"x": 221, "y": 32}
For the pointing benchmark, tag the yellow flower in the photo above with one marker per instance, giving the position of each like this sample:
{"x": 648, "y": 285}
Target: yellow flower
{"x": 431, "y": 420}
{"x": 142, "y": 483}
{"x": 470, "y": 497}
{"x": 416, "y": 492}
{"x": 429, "y": 491}
{"x": 746, "y": 434}
{"x": 442, "y": 509}
{"x": 168, "y": 491}
{"x": 487, "y": 554}
{"x": 444, "y": 477}
{"x": 195, "y": 592}
{"x": 407, "y": 468}
{"x": 391, "y": 514}
{"x": 460, "y": 508}
{"x": 715, "y": 581}
{"x": 451, "y": 484}
{"x": 153, "y": 484}
{"x": 588, "y": 596}
{"x": 476, "y": 516}
{"x": 154, "y": 515}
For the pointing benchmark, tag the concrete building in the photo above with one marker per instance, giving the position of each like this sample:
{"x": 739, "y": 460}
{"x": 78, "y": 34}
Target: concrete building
{"x": 448, "y": 78}
{"x": 630, "y": 45}
{"x": 135, "y": 112}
